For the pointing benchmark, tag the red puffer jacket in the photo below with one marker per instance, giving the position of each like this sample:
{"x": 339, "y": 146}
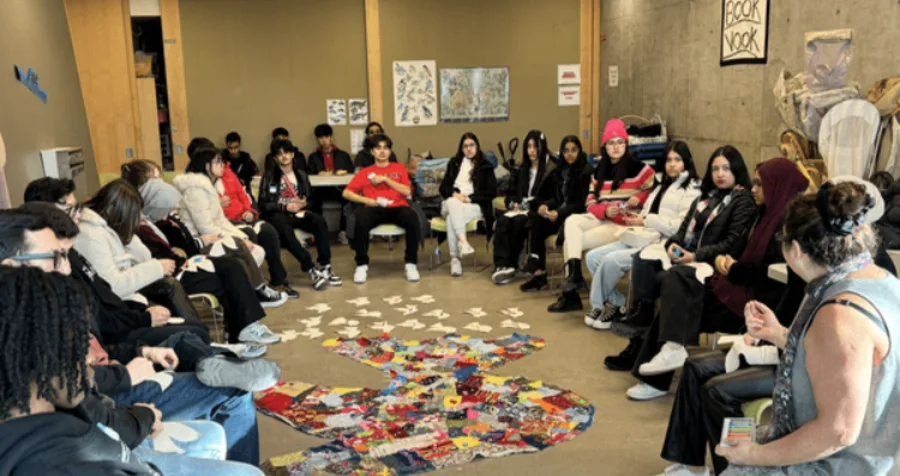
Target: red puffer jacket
{"x": 240, "y": 202}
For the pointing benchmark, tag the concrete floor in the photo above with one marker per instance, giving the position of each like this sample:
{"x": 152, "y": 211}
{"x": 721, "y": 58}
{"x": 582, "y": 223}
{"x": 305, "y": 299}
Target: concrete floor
{"x": 625, "y": 438}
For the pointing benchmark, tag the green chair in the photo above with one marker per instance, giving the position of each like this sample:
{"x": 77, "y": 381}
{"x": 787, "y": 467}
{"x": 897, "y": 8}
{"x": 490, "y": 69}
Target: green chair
{"x": 438, "y": 224}
{"x": 760, "y": 410}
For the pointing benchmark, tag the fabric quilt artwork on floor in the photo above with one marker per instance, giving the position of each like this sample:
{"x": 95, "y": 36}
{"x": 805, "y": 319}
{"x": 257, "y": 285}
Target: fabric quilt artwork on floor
{"x": 440, "y": 409}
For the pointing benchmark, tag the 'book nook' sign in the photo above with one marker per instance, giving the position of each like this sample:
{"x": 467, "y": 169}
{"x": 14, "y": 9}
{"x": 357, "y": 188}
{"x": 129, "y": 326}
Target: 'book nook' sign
{"x": 745, "y": 31}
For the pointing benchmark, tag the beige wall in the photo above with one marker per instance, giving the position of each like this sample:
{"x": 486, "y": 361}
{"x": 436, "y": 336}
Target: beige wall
{"x": 529, "y": 36}
{"x": 255, "y": 65}
{"x": 668, "y": 57}
{"x": 34, "y": 33}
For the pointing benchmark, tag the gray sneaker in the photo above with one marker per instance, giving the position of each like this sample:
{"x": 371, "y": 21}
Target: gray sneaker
{"x": 244, "y": 351}
{"x": 455, "y": 267}
{"x": 257, "y": 333}
{"x": 248, "y": 375}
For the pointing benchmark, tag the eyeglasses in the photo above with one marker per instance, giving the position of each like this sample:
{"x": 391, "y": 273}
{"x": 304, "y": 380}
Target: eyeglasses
{"x": 756, "y": 182}
{"x": 469, "y": 146}
{"x": 616, "y": 143}
{"x": 59, "y": 257}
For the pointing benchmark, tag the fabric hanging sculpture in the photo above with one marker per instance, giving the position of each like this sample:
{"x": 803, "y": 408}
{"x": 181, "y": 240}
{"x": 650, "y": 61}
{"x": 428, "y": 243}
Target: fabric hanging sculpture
{"x": 847, "y": 138}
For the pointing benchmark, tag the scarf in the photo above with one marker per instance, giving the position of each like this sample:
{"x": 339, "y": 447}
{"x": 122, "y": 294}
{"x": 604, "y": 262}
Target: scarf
{"x": 783, "y": 397}
{"x": 718, "y": 204}
{"x": 781, "y": 183}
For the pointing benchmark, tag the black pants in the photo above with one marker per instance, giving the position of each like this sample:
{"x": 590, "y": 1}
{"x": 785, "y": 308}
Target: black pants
{"x": 329, "y": 194}
{"x": 170, "y": 293}
{"x": 541, "y": 229}
{"x": 368, "y": 218}
{"x": 509, "y": 239}
{"x": 310, "y": 223}
{"x": 681, "y": 318}
{"x": 706, "y": 396}
{"x": 190, "y": 350}
{"x": 645, "y": 278}
{"x": 230, "y": 285}
{"x": 268, "y": 239}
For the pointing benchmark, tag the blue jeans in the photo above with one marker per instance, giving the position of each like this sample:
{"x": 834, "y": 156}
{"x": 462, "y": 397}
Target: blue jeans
{"x": 188, "y": 399}
{"x": 607, "y": 265}
{"x": 189, "y": 448}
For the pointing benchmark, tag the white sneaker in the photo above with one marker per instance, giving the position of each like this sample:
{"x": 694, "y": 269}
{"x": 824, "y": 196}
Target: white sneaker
{"x": 243, "y": 351}
{"x": 503, "y": 275}
{"x": 465, "y": 249}
{"x": 361, "y": 274}
{"x": 670, "y": 358}
{"x": 682, "y": 470}
{"x": 643, "y": 392}
{"x": 257, "y": 333}
{"x": 412, "y": 273}
{"x": 455, "y": 267}
{"x": 269, "y": 297}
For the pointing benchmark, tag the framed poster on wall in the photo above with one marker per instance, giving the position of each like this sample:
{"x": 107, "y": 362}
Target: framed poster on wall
{"x": 415, "y": 93}
{"x": 745, "y": 32}
{"x": 474, "y": 94}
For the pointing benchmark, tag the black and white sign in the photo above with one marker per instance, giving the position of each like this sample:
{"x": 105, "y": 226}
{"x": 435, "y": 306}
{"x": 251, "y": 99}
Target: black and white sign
{"x": 745, "y": 32}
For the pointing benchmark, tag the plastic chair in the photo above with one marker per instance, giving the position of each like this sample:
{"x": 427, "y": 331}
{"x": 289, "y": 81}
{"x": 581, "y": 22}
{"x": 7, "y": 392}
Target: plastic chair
{"x": 440, "y": 225}
{"x": 388, "y": 231}
{"x": 759, "y": 410}
{"x": 210, "y": 302}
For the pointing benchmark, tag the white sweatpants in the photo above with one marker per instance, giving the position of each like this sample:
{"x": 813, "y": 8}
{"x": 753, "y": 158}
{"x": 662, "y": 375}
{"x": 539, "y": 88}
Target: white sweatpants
{"x": 458, "y": 214}
{"x": 585, "y": 232}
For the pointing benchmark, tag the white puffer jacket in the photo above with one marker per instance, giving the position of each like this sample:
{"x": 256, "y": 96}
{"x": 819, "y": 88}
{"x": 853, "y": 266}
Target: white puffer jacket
{"x": 127, "y": 268}
{"x": 201, "y": 209}
{"x": 673, "y": 207}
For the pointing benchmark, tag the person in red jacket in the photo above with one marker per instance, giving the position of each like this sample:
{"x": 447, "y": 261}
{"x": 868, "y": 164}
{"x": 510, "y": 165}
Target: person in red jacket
{"x": 235, "y": 202}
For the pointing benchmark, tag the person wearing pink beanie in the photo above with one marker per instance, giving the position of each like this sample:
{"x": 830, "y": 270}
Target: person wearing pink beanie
{"x": 620, "y": 186}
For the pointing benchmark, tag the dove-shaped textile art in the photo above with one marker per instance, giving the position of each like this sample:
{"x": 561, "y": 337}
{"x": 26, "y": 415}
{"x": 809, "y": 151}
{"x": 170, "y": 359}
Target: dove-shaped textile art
{"x": 218, "y": 248}
{"x": 173, "y": 432}
{"x": 320, "y": 308}
{"x": 440, "y": 409}
{"x": 408, "y": 309}
{"x": 359, "y": 302}
{"x": 197, "y": 263}
{"x": 424, "y": 299}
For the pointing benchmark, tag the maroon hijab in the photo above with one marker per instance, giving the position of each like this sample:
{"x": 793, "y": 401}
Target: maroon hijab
{"x": 781, "y": 183}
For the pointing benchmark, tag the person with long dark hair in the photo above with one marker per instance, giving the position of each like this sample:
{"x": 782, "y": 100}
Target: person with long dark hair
{"x": 563, "y": 194}
{"x": 717, "y": 224}
{"x": 509, "y": 238}
{"x": 110, "y": 240}
{"x": 468, "y": 188}
{"x": 621, "y": 183}
{"x": 662, "y": 214}
{"x": 366, "y": 157}
{"x": 284, "y": 201}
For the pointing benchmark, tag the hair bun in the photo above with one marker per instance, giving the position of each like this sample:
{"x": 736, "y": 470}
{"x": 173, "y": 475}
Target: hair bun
{"x": 843, "y": 207}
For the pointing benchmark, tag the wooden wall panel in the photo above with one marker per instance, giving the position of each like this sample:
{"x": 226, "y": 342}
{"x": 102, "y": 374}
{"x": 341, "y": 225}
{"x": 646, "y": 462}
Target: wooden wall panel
{"x": 149, "y": 120}
{"x": 175, "y": 80}
{"x": 373, "y": 60}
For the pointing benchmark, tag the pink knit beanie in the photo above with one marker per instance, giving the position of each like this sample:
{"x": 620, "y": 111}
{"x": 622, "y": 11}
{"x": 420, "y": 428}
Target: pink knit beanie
{"x": 615, "y": 129}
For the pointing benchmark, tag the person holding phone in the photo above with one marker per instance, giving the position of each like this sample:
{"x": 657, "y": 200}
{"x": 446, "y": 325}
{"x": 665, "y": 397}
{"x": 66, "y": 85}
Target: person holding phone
{"x": 284, "y": 200}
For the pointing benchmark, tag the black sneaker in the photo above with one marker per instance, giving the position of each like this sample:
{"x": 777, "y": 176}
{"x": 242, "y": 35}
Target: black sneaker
{"x": 287, "y": 290}
{"x": 636, "y": 323}
{"x": 537, "y": 282}
{"x": 333, "y": 279}
{"x": 318, "y": 279}
{"x": 269, "y": 297}
{"x": 504, "y": 275}
{"x": 624, "y": 362}
{"x": 568, "y": 302}
{"x": 604, "y": 320}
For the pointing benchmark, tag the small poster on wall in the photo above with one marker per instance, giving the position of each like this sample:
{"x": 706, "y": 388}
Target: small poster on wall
{"x": 415, "y": 93}
{"x": 337, "y": 112}
{"x": 357, "y": 136}
{"x": 569, "y": 96}
{"x": 359, "y": 112}
{"x": 568, "y": 74}
{"x": 614, "y": 76}
{"x": 745, "y": 32}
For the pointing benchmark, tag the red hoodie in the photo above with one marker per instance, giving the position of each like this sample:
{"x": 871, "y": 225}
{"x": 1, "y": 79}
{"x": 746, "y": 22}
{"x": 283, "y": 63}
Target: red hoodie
{"x": 240, "y": 202}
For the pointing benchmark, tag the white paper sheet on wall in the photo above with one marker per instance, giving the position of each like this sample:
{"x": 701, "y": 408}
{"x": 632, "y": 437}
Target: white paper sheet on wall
{"x": 569, "y": 96}
{"x": 359, "y": 112}
{"x": 337, "y": 112}
{"x": 357, "y": 136}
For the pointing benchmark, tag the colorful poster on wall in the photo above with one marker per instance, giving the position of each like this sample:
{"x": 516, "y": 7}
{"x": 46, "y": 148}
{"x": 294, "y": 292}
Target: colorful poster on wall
{"x": 474, "y": 94}
{"x": 568, "y": 74}
{"x": 359, "y": 112}
{"x": 337, "y": 112}
{"x": 745, "y": 32}
{"x": 415, "y": 93}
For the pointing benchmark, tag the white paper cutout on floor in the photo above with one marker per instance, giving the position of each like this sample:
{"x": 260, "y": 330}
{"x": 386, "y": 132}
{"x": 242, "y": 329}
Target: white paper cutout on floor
{"x": 513, "y": 312}
{"x": 424, "y": 299}
{"x": 382, "y": 326}
{"x": 393, "y": 300}
{"x": 320, "y": 308}
{"x": 442, "y": 329}
{"x": 359, "y": 302}
{"x": 288, "y": 335}
{"x": 475, "y": 326}
{"x": 408, "y": 309}
{"x": 476, "y": 312}
{"x": 312, "y": 333}
{"x": 352, "y": 323}
{"x": 173, "y": 431}
{"x": 350, "y": 332}
{"x": 367, "y": 313}
{"x": 412, "y": 324}
{"x": 438, "y": 313}
{"x": 515, "y": 324}
{"x": 311, "y": 322}
{"x": 340, "y": 321}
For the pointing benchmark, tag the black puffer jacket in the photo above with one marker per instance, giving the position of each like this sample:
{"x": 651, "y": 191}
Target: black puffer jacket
{"x": 485, "y": 185}
{"x": 520, "y": 179}
{"x": 725, "y": 235}
{"x": 271, "y": 186}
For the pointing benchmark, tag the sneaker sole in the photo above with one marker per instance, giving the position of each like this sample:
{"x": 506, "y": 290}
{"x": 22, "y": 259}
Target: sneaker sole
{"x": 261, "y": 342}
{"x": 271, "y": 304}
{"x": 601, "y": 326}
{"x": 655, "y": 372}
{"x": 645, "y": 399}
{"x": 336, "y": 283}
{"x": 628, "y": 332}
